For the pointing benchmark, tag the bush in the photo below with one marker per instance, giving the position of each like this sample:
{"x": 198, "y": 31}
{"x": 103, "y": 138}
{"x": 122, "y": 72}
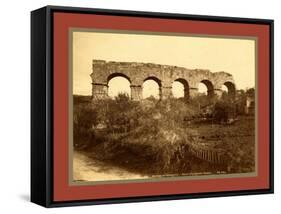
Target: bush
{"x": 147, "y": 131}
{"x": 223, "y": 111}
{"x": 84, "y": 117}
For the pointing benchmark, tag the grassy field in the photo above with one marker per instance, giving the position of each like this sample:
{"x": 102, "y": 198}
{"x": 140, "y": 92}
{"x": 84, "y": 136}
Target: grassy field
{"x": 155, "y": 138}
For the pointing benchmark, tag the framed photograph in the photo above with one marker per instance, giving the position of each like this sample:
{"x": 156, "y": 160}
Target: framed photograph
{"x": 141, "y": 106}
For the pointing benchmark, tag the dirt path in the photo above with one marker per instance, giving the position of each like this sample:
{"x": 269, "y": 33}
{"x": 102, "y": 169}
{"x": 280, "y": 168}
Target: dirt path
{"x": 87, "y": 169}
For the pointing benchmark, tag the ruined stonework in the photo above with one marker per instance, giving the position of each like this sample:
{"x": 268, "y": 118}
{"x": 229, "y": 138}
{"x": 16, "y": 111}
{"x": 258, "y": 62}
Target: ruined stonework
{"x": 164, "y": 75}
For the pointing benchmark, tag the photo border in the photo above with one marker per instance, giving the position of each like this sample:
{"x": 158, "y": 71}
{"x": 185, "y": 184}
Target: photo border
{"x": 166, "y": 178}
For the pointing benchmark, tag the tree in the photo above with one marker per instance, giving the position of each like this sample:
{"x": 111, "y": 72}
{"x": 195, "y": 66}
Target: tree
{"x": 251, "y": 92}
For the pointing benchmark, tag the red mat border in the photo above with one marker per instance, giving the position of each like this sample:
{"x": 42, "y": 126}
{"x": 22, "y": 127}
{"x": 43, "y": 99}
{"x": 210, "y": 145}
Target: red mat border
{"x": 63, "y": 192}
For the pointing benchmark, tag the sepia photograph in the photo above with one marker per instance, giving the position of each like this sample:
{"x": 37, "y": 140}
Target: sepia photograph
{"x": 153, "y": 106}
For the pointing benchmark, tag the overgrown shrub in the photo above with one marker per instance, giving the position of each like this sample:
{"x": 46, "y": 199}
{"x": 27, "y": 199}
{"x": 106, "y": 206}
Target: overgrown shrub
{"x": 223, "y": 111}
{"x": 84, "y": 117}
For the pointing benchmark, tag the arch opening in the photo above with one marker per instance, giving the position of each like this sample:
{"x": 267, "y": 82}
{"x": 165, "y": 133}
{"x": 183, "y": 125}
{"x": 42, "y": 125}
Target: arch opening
{"x": 117, "y": 74}
{"x": 118, "y": 84}
{"x": 230, "y": 88}
{"x": 206, "y": 87}
{"x": 151, "y": 87}
{"x": 180, "y": 89}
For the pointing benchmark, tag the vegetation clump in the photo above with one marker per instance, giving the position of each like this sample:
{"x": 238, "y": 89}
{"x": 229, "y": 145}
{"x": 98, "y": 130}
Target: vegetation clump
{"x": 157, "y": 137}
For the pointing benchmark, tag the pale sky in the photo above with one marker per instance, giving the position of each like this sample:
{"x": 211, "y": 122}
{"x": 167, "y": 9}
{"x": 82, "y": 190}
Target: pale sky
{"x": 235, "y": 56}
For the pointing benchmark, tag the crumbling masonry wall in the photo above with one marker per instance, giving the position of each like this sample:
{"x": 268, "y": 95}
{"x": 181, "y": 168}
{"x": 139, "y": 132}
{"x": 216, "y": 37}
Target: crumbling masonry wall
{"x": 164, "y": 75}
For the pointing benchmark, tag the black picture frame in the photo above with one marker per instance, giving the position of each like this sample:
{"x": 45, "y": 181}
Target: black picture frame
{"x": 42, "y": 104}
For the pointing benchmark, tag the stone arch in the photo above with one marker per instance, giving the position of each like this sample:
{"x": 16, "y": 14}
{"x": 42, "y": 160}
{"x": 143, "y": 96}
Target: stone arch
{"x": 117, "y": 74}
{"x": 125, "y": 85}
{"x": 185, "y": 85}
{"x": 230, "y": 87}
{"x": 210, "y": 87}
{"x": 157, "y": 80}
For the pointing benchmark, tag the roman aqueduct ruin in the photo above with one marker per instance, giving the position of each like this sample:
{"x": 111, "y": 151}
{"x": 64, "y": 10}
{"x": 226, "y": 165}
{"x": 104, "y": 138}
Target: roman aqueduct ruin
{"x": 136, "y": 73}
